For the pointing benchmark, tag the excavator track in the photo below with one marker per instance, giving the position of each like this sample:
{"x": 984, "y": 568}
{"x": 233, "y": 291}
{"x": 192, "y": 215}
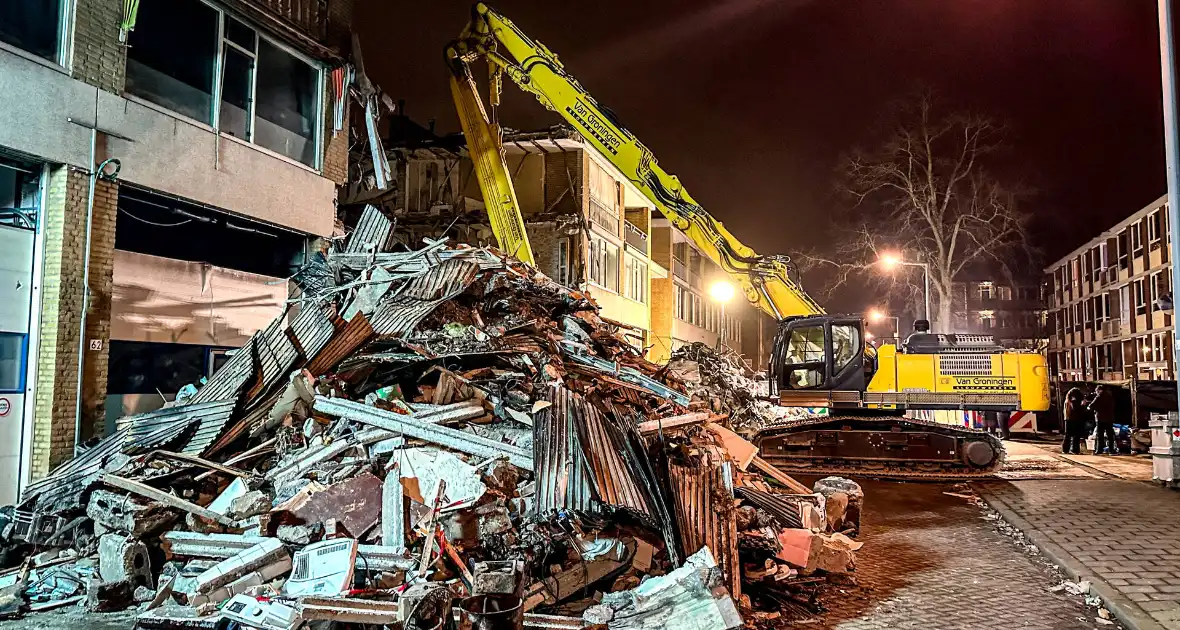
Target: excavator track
{"x": 887, "y": 447}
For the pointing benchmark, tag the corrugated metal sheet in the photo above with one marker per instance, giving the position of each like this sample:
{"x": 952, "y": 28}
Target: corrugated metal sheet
{"x": 787, "y": 508}
{"x": 351, "y": 337}
{"x": 705, "y": 514}
{"x": 228, "y": 381}
{"x": 313, "y": 328}
{"x": 560, "y": 468}
{"x": 371, "y": 233}
{"x": 614, "y": 481}
{"x": 405, "y": 307}
{"x": 62, "y": 488}
{"x": 158, "y": 428}
{"x": 410, "y": 263}
{"x": 276, "y": 354}
{"x": 254, "y": 414}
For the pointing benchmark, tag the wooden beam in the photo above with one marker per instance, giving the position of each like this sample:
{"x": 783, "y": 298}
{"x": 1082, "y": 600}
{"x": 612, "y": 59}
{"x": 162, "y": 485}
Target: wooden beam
{"x": 160, "y": 496}
{"x": 769, "y": 470}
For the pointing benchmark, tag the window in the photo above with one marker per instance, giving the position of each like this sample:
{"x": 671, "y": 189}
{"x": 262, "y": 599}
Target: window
{"x": 604, "y": 263}
{"x": 1004, "y": 293}
{"x": 268, "y": 96}
{"x": 1140, "y": 297}
{"x": 985, "y": 291}
{"x": 805, "y": 349}
{"x": 158, "y": 72}
{"x": 1160, "y": 287}
{"x": 33, "y": 26}
{"x": 636, "y": 279}
{"x": 20, "y": 195}
{"x": 1155, "y": 226}
{"x": 1136, "y": 239}
{"x": 12, "y": 362}
{"x": 987, "y": 321}
{"x": 604, "y": 198}
{"x": 1124, "y": 249}
{"x": 845, "y": 346}
{"x": 563, "y": 261}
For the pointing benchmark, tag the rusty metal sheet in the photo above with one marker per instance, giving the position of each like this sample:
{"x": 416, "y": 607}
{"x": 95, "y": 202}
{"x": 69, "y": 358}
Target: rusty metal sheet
{"x": 706, "y": 516}
{"x": 356, "y": 503}
{"x": 406, "y": 306}
{"x": 351, "y": 337}
{"x": 560, "y": 468}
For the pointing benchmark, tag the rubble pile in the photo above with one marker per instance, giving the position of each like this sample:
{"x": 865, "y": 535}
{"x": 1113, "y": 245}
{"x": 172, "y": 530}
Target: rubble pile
{"x": 423, "y": 435}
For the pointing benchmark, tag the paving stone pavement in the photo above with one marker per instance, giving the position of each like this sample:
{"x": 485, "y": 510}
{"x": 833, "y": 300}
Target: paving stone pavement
{"x": 1124, "y": 535}
{"x": 930, "y": 560}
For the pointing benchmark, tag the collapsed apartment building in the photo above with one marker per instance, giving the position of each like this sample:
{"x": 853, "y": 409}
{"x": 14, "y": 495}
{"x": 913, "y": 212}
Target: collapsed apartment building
{"x": 589, "y": 227}
{"x": 429, "y": 432}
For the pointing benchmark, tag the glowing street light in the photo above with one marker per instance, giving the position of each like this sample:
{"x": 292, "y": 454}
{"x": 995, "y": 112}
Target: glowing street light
{"x": 877, "y": 315}
{"x": 890, "y": 261}
{"x": 721, "y": 292}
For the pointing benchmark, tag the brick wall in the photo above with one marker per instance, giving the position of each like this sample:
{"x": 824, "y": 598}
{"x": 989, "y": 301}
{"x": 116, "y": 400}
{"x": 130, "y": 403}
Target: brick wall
{"x": 663, "y": 298}
{"x": 61, "y": 307}
{"x": 561, "y": 170}
{"x": 335, "y": 146}
{"x": 98, "y": 57}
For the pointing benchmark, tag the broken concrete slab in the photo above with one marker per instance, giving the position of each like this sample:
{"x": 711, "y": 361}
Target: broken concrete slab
{"x": 689, "y": 598}
{"x": 354, "y": 502}
{"x": 422, "y": 468}
{"x": 124, "y": 514}
{"x": 267, "y": 551}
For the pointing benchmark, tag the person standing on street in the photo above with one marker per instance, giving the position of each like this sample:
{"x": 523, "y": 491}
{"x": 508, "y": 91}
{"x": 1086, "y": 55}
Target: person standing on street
{"x": 1103, "y": 408}
{"x": 1003, "y": 418}
{"x": 1077, "y": 418}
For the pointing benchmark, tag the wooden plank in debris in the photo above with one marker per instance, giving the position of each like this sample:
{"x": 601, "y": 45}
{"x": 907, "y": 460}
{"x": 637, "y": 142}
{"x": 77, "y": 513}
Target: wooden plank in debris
{"x": 654, "y": 426}
{"x": 769, "y": 470}
{"x": 160, "y": 496}
{"x": 198, "y": 461}
{"x": 739, "y": 449}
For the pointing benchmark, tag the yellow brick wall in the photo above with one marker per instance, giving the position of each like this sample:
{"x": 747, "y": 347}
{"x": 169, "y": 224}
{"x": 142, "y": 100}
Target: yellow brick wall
{"x": 98, "y": 58}
{"x": 61, "y": 306}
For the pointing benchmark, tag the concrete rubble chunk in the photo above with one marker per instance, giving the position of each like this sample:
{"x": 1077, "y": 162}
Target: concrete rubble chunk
{"x": 124, "y": 514}
{"x": 122, "y": 558}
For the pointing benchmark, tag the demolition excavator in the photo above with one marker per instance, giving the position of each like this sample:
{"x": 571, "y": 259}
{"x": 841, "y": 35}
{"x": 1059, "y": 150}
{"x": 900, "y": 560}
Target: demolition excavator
{"x": 819, "y": 360}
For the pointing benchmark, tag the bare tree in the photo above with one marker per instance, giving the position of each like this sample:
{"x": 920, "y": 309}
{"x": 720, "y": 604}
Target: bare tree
{"x": 925, "y": 195}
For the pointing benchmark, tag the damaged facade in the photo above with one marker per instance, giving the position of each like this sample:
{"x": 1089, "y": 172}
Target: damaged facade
{"x": 427, "y": 433}
{"x": 587, "y": 225}
{"x": 220, "y": 142}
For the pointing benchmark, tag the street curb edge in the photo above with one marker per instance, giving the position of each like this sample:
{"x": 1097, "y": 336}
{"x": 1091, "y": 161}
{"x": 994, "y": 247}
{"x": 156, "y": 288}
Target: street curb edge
{"x": 1126, "y": 611}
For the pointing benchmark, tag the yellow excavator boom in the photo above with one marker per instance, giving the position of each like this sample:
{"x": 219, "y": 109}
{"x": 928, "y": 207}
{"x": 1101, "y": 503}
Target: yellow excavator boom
{"x": 528, "y": 63}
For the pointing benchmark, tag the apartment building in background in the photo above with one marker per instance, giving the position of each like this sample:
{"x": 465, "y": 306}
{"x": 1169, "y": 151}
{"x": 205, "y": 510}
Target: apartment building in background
{"x": 212, "y": 122}
{"x": 1110, "y": 313}
{"x": 1011, "y": 310}
{"x": 588, "y": 226}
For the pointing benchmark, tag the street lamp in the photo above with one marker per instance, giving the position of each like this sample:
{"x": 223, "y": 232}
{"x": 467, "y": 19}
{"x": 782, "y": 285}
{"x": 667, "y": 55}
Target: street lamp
{"x": 891, "y": 261}
{"x": 721, "y": 292}
{"x": 876, "y": 315}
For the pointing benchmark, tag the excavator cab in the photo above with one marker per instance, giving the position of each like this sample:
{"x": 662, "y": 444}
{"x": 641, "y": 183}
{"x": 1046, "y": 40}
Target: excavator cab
{"x": 822, "y": 352}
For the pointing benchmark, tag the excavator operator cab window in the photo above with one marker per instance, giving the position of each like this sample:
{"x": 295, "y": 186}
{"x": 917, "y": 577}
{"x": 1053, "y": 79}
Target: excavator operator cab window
{"x": 822, "y": 352}
{"x": 805, "y": 362}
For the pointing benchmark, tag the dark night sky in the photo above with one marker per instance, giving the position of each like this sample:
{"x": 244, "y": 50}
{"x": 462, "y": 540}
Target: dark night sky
{"x": 752, "y": 102}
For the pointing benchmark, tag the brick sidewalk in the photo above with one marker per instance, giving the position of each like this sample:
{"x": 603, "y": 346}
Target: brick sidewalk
{"x": 931, "y": 561}
{"x": 1124, "y": 536}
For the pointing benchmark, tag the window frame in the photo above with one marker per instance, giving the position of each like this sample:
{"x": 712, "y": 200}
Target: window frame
{"x": 63, "y": 52}
{"x": 318, "y": 68}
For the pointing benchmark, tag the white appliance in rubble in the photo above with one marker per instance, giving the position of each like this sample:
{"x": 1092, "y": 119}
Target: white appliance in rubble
{"x": 1165, "y": 448}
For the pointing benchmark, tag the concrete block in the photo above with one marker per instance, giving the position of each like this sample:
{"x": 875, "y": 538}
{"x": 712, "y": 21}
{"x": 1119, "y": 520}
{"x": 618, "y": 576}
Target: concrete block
{"x": 123, "y": 558}
{"x": 125, "y": 515}
{"x": 267, "y": 552}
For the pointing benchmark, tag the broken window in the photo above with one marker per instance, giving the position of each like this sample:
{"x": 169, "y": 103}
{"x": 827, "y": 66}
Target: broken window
{"x": 604, "y": 198}
{"x": 34, "y": 26}
{"x": 563, "y": 261}
{"x": 171, "y": 56}
{"x": 269, "y": 96}
{"x": 604, "y": 263}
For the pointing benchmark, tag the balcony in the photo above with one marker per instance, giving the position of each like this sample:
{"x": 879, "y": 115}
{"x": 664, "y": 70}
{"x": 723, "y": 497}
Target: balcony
{"x": 634, "y": 237}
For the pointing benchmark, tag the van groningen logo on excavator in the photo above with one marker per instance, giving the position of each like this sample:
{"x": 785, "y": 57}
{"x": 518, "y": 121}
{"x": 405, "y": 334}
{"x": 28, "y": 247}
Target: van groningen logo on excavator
{"x": 977, "y": 383}
{"x": 597, "y": 127}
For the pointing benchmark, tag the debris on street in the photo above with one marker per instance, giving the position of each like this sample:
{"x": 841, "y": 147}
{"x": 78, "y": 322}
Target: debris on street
{"x": 432, "y": 434}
